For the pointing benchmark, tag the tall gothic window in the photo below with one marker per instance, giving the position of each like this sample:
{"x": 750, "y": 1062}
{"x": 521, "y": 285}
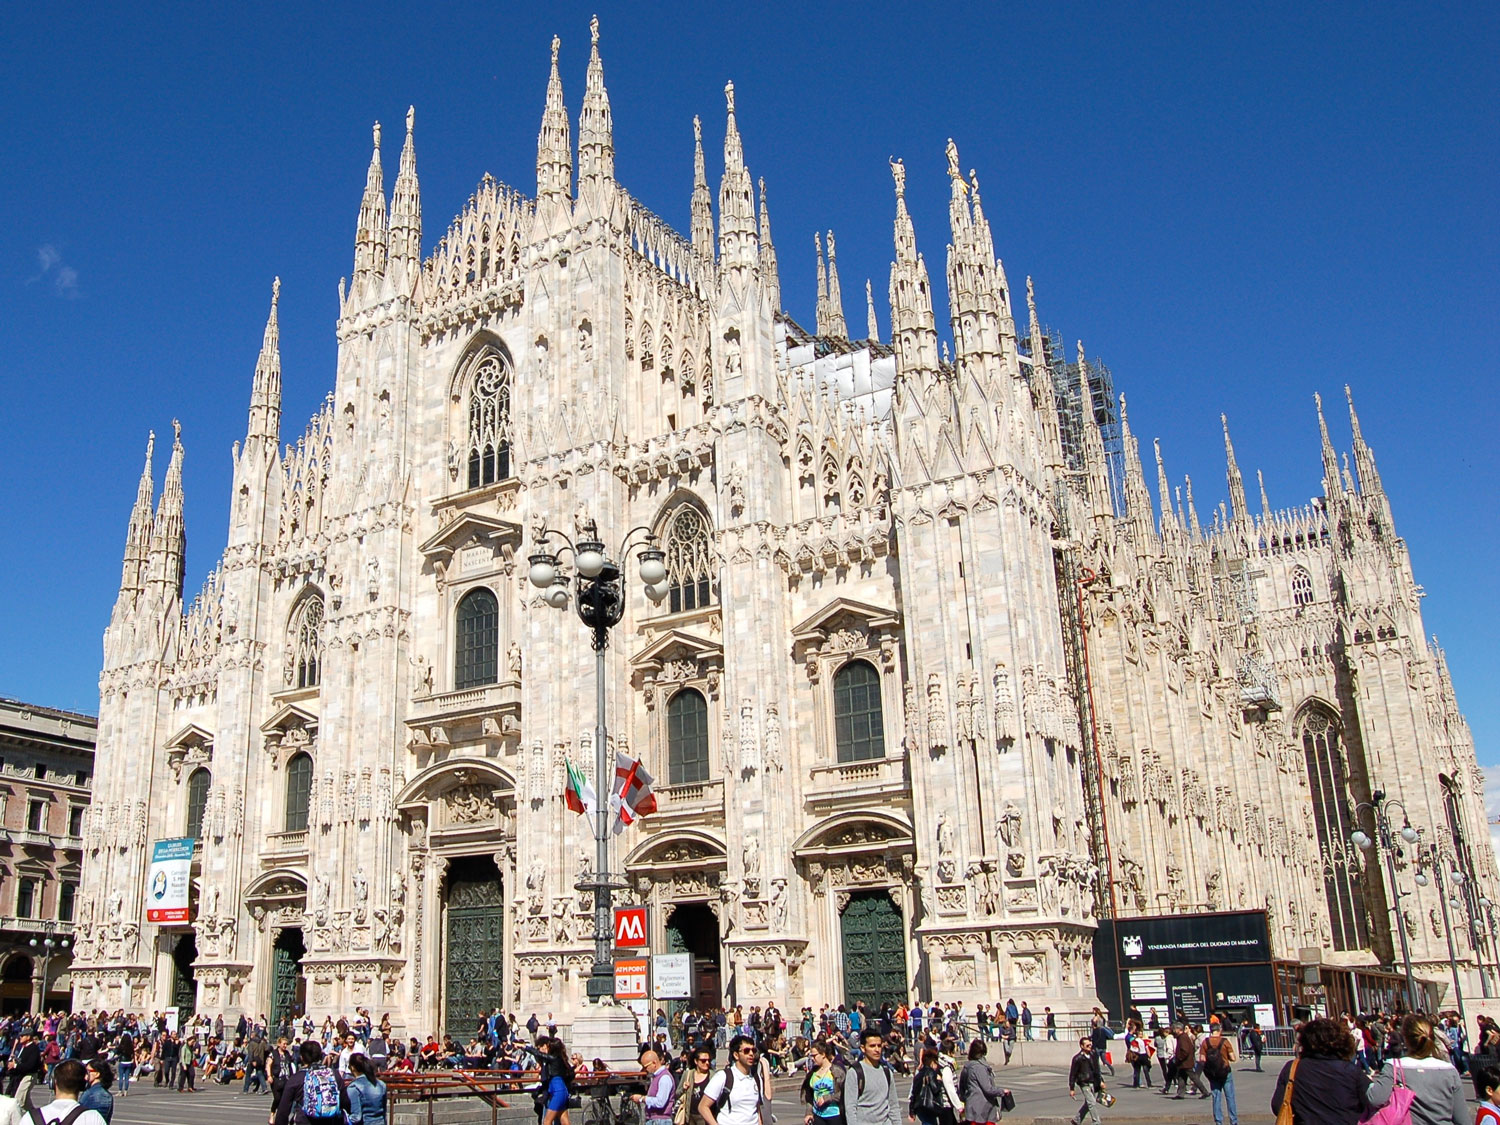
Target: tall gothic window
{"x": 477, "y": 657}
{"x": 689, "y": 548}
{"x": 858, "y": 720}
{"x": 306, "y": 665}
{"x": 299, "y": 774}
{"x": 1302, "y": 587}
{"x": 1329, "y": 785}
{"x": 687, "y": 738}
{"x": 489, "y": 421}
{"x": 1453, "y": 813}
{"x": 197, "y": 801}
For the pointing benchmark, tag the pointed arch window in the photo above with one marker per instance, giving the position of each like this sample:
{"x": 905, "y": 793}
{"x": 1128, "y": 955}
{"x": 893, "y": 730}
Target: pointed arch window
{"x": 689, "y": 547}
{"x": 858, "y": 718}
{"x": 197, "y": 801}
{"x": 1328, "y": 783}
{"x": 299, "y": 775}
{"x": 489, "y": 421}
{"x": 477, "y": 658}
{"x": 306, "y": 667}
{"x": 1302, "y": 586}
{"x": 687, "y": 738}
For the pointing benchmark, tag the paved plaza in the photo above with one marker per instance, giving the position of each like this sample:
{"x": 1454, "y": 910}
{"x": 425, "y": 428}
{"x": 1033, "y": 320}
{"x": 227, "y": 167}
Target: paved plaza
{"x": 1041, "y": 1095}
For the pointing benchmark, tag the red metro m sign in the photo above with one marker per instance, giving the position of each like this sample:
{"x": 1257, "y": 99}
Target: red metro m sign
{"x": 630, "y": 927}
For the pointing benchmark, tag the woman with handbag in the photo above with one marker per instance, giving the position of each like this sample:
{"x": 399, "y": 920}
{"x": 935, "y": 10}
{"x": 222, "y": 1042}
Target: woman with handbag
{"x": 1424, "y": 1072}
{"x": 933, "y": 1093}
{"x": 977, "y": 1087}
{"x": 1323, "y": 1085}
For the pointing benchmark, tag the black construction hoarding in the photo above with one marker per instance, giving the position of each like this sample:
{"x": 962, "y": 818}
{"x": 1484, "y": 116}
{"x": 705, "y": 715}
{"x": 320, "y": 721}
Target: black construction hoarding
{"x": 1187, "y": 966}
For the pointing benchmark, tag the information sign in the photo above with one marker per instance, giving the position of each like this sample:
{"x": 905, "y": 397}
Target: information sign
{"x": 631, "y": 978}
{"x": 671, "y": 974}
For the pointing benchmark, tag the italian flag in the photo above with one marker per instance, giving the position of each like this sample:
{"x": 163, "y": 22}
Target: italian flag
{"x": 631, "y": 796}
{"x": 580, "y": 792}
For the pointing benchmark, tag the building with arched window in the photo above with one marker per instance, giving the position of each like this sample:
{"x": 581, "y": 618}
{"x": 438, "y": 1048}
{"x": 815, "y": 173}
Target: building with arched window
{"x": 936, "y": 678}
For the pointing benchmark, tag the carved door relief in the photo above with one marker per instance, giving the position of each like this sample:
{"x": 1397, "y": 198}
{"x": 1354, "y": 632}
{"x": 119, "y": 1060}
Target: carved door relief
{"x": 873, "y": 937}
{"x": 474, "y": 943}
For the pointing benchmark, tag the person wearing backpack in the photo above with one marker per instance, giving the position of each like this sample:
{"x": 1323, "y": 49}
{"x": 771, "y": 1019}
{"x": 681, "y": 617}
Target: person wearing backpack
{"x": 1216, "y": 1054}
{"x": 315, "y": 1095}
{"x": 870, "y": 1084}
{"x": 733, "y": 1095}
{"x": 68, "y": 1082}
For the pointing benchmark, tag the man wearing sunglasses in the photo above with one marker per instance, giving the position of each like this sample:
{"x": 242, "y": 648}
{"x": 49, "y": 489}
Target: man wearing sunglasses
{"x": 733, "y": 1095}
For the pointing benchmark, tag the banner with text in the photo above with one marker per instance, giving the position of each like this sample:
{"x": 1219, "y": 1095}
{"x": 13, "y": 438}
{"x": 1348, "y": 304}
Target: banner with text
{"x": 170, "y": 880}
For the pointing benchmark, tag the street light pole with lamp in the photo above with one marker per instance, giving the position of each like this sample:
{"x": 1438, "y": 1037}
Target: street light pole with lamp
{"x": 1444, "y": 868}
{"x": 599, "y": 598}
{"x": 1379, "y": 806}
{"x": 47, "y": 945}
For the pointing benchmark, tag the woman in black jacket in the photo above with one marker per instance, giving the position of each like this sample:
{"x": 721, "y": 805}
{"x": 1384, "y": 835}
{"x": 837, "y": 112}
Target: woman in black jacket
{"x": 1327, "y": 1088}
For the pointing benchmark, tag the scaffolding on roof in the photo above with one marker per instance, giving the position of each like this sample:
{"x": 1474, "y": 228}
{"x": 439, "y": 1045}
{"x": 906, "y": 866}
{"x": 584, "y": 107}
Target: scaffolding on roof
{"x": 1068, "y": 390}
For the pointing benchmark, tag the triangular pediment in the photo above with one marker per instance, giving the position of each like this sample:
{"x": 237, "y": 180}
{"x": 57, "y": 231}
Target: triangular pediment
{"x": 288, "y": 716}
{"x": 675, "y": 645}
{"x": 819, "y": 625}
{"x": 465, "y": 526}
{"x": 190, "y": 736}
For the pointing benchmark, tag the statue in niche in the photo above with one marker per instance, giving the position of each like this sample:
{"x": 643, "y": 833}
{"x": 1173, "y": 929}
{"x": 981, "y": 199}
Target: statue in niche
{"x": 1010, "y": 825}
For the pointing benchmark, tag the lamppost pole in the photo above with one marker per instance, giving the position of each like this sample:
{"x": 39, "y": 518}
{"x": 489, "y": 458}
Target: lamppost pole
{"x": 1450, "y": 874}
{"x": 599, "y": 598}
{"x": 47, "y": 945}
{"x": 1380, "y": 806}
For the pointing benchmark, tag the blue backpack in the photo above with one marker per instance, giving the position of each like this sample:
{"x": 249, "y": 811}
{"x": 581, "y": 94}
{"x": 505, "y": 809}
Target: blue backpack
{"x": 320, "y": 1093}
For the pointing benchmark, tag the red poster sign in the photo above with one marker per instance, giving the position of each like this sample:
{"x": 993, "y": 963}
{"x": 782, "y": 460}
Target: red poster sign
{"x": 630, "y": 926}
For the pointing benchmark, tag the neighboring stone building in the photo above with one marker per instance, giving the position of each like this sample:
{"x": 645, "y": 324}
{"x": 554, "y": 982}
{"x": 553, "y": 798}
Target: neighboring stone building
{"x": 46, "y": 769}
{"x": 930, "y": 683}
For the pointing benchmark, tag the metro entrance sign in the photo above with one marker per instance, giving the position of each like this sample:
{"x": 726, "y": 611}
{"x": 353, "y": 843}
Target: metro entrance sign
{"x": 630, "y": 927}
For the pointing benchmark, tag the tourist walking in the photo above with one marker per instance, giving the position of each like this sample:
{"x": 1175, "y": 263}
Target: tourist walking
{"x": 68, "y": 1083}
{"x": 1256, "y": 1041}
{"x": 315, "y": 1095}
{"x": 1085, "y": 1081}
{"x": 733, "y": 1095}
{"x": 1138, "y": 1052}
{"x": 1326, "y": 1086}
{"x": 934, "y": 1094}
{"x": 1425, "y": 1070}
{"x": 977, "y": 1088}
{"x": 822, "y": 1089}
{"x": 872, "y": 1101}
{"x": 96, "y": 1095}
{"x": 367, "y": 1093}
{"x": 1216, "y": 1055}
{"x": 692, "y": 1084}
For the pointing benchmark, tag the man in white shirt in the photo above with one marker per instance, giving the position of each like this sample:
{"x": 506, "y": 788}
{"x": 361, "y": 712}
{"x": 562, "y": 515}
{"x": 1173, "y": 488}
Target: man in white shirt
{"x": 68, "y": 1081}
{"x": 348, "y": 1051}
{"x": 732, "y": 1096}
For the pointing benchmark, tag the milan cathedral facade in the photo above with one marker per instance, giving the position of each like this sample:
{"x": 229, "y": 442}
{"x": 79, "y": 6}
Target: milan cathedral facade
{"x": 934, "y": 682}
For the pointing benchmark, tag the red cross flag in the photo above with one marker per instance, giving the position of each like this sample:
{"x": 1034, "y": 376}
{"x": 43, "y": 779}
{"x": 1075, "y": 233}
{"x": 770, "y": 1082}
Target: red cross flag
{"x": 631, "y": 796}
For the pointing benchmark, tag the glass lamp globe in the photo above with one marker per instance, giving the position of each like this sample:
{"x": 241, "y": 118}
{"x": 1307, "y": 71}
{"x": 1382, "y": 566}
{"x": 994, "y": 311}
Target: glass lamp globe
{"x": 543, "y": 570}
{"x": 1360, "y": 838}
{"x": 1457, "y": 876}
{"x": 590, "y": 558}
{"x": 1409, "y": 834}
{"x": 1453, "y": 902}
{"x": 557, "y": 594}
{"x": 653, "y": 565}
{"x": 1420, "y": 878}
{"x": 656, "y": 591}
{"x": 1484, "y": 902}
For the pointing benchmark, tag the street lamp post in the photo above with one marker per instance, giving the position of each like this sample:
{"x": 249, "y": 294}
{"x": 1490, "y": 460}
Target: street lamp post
{"x": 599, "y": 598}
{"x": 1380, "y": 807}
{"x": 1445, "y": 869}
{"x": 46, "y": 945}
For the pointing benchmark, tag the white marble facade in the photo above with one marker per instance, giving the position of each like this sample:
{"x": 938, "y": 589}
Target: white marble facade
{"x": 826, "y": 502}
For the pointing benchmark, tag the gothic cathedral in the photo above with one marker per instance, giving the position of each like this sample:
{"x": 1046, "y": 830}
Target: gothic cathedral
{"x": 934, "y": 683}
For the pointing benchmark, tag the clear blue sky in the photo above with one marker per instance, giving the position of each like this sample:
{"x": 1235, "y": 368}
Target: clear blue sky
{"x": 1234, "y": 205}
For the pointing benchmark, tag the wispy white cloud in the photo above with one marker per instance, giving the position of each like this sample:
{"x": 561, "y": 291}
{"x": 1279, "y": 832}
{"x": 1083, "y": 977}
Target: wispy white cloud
{"x": 63, "y": 277}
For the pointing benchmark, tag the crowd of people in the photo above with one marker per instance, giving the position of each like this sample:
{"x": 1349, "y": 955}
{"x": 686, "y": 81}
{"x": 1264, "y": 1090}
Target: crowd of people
{"x": 842, "y": 1060}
